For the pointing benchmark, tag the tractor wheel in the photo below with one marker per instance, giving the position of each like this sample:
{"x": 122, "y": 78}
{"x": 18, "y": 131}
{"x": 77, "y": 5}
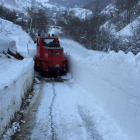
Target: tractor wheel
{"x": 41, "y": 71}
{"x": 63, "y": 73}
{"x": 36, "y": 68}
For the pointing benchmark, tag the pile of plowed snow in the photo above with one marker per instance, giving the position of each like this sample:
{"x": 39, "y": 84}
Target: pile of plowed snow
{"x": 16, "y": 75}
{"x": 13, "y": 35}
{"x": 16, "y": 79}
{"x": 113, "y": 79}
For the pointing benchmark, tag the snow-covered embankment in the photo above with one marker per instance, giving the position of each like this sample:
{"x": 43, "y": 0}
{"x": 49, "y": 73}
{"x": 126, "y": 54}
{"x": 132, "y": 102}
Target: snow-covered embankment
{"x": 16, "y": 75}
{"x": 113, "y": 79}
{"x": 16, "y": 80}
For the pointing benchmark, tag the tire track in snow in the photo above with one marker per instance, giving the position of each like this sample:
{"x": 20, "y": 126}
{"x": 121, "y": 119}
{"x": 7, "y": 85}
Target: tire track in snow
{"x": 53, "y": 131}
{"x": 89, "y": 124}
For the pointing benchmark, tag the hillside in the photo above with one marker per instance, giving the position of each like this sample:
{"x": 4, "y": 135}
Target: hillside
{"x": 112, "y": 26}
{"x": 101, "y": 4}
{"x": 80, "y": 13}
{"x": 71, "y": 3}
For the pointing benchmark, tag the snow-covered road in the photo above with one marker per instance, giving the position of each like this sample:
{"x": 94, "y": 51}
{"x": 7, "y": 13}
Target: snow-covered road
{"x": 101, "y": 102}
{"x": 63, "y": 114}
{"x": 64, "y": 110}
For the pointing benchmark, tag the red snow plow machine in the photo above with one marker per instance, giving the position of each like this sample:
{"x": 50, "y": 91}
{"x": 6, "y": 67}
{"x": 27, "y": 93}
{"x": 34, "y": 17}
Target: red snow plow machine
{"x": 50, "y": 57}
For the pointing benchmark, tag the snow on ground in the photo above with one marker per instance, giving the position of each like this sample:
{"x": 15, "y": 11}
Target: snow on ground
{"x": 107, "y": 26}
{"x": 101, "y": 101}
{"x": 13, "y": 68}
{"x": 113, "y": 80}
{"x": 57, "y": 31}
{"x": 6, "y": 43}
{"x": 109, "y": 10}
{"x": 16, "y": 75}
{"x": 43, "y": 1}
{"x": 24, "y": 43}
{"x": 81, "y": 13}
{"x": 19, "y": 5}
{"x": 16, "y": 78}
{"x": 51, "y": 6}
{"x": 128, "y": 30}
{"x": 68, "y": 112}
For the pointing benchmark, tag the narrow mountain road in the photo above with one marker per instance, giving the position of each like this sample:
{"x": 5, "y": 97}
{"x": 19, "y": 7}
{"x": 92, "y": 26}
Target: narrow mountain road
{"x": 59, "y": 114}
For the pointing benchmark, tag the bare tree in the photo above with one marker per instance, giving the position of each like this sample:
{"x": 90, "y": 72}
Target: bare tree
{"x": 38, "y": 20}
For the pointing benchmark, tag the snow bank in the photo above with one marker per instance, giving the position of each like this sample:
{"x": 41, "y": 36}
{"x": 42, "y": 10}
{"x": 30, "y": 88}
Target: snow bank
{"x": 113, "y": 79}
{"x": 16, "y": 78}
{"x": 6, "y": 43}
{"x": 12, "y": 32}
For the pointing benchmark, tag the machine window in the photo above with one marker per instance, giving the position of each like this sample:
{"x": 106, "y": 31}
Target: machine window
{"x": 47, "y": 41}
{"x": 57, "y": 53}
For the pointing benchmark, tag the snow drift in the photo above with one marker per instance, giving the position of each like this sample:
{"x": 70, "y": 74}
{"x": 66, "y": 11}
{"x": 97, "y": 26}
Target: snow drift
{"x": 113, "y": 79}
